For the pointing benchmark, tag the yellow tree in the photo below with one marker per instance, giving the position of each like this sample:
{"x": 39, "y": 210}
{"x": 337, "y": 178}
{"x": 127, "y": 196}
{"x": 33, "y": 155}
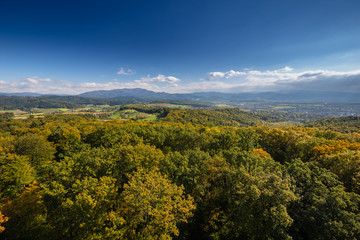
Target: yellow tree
{"x": 87, "y": 209}
{"x": 3, "y": 219}
{"x": 152, "y": 206}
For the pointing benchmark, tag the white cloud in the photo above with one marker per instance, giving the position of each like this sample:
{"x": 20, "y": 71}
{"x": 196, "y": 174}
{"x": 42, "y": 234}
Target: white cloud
{"x": 287, "y": 79}
{"x": 160, "y": 78}
{"x": 285, "y": 69}
{"x": 36, "y": 80}
{"x": 227, "y": 75}
{"x": 128, "y": 72}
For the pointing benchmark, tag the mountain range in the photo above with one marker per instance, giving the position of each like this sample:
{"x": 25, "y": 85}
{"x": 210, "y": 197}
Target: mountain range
{"x": 138, "y": 94}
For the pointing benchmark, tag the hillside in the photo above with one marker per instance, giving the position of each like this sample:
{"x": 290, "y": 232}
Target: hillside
{"x": 13, "y": 102}
{"x": 214, "y": 117}
{"x": 55, "y": 101}
{"x": 232, "y": 97}
{"x": 292, "y": 96}
{"x": 342, "y": 124}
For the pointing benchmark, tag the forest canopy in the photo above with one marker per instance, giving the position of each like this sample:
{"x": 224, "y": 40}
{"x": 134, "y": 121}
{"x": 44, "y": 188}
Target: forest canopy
{"x": 188, "y": 176}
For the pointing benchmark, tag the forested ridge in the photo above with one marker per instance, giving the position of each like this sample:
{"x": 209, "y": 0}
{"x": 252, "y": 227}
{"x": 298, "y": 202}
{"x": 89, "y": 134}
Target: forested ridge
{"x": 215, "y": 117}
{"x": 12, "y": 102}
{"x": 77, "y": 177}
{"x": 55, "y": 101}
{"x": 342, "y": 124}
{"x": 208, "y": 117}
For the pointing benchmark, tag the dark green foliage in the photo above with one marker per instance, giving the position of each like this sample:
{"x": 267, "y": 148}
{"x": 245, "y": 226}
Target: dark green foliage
{"x": 324, "y": 210}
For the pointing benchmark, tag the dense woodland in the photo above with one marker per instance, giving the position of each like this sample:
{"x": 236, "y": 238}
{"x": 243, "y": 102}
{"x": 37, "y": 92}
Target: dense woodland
{"x": 54, "y": 101}
{"x": 216, "y": 117}
{"x": 25, "y": 103}
{"x": 208, "y": 117}
{"x": 77, "y": 177}
{"x": 343, "y": 124}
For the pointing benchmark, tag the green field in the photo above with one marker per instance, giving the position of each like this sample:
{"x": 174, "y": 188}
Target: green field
{"x": 131, "y": 114}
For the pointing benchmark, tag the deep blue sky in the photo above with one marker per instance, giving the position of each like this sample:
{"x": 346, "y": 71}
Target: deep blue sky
{"x": 90, "y": 41}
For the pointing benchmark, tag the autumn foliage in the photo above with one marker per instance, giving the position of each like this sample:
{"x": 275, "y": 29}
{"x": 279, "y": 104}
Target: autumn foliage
{"x": 73, "y": 177}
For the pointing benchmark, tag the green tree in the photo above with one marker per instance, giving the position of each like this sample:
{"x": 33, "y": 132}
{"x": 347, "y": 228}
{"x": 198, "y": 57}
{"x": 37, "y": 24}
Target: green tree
{"x": 254, "y": 195}
{"x": 37, "y": 148}
{"x": 27, "y": 215}
{"x": 15, "y": 173}
{"x": 67, "y": 140}
{"x": 152, "y": 206}
{"x": 324, "y": 210}
{"x": 86, "y": 210}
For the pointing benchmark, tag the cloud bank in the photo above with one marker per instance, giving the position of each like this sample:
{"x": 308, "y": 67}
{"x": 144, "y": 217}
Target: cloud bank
{"x": 286, "y": 79}
{"x": 283, "y": 79}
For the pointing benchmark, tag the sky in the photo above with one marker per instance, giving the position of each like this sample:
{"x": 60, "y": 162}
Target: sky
{"x": 70, "y": 47}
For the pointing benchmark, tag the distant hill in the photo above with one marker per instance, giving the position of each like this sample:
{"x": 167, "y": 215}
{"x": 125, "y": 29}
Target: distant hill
{"x": 300, "y": 96}
{"x": 214, "y": 117}
{"x": 96, "y": 101}
{"x": 135, "y": 92}
{"x": 138, "y": 95}
{"x": 22, "y": 94}
{"x": 118, "y": 93}
{"x": 138, "y": 92}
{"x": 54, "y": 101}
{"x": 14, "y": 102}
{"x": 343, "y": 124}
